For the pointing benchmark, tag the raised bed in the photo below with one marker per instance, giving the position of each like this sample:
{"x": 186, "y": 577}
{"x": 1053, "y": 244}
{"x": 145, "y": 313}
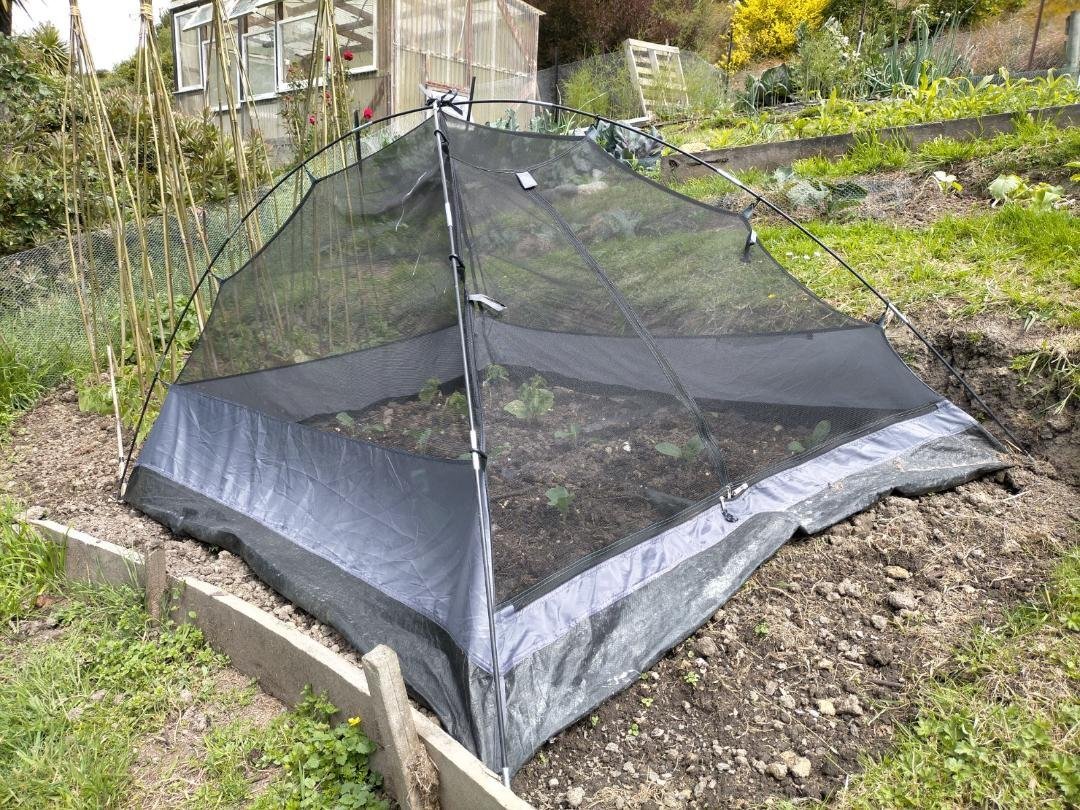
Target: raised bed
{"x": 766, "y": 156}
{"x": 284, "y": 661}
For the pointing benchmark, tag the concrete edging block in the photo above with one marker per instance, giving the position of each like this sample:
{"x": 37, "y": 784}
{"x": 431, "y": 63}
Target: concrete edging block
{"x": 283, "y": 661}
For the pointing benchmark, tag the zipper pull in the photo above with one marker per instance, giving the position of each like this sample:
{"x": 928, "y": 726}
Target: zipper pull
{"x": 726, "y": 494}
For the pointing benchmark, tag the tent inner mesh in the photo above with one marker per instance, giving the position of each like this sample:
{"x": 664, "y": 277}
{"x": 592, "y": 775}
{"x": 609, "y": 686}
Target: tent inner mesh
{"x": 647, "y": 353}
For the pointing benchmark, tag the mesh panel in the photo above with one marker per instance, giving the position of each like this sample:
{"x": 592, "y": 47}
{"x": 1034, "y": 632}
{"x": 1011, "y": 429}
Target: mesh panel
{"x": 346, "y": 319}
{"x": 641, "y": 331}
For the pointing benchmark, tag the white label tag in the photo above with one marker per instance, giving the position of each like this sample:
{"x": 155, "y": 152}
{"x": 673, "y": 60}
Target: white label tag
{"x": 526, "y": 180}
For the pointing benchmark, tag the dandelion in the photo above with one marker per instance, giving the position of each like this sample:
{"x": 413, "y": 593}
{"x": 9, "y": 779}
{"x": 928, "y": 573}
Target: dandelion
{"x": 354, "y": 721}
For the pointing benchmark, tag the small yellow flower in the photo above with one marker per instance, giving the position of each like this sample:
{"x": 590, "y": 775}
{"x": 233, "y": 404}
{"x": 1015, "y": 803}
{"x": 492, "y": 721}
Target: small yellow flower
{"x": 354, "y": 721}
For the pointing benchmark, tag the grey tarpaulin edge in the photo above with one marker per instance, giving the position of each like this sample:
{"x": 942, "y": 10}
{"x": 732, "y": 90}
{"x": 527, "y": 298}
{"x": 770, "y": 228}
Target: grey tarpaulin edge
{"x": 559, "y": 683}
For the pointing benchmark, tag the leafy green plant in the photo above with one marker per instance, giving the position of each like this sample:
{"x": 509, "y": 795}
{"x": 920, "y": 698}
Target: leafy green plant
{"x": 345, "y": 420}
{"x": 761, "y": 629}
{"x": 458, "y": 403}
{"x": 947, "y": 183}
{"x": 430, "y": 390}
{"x": 494, "y": 374}
{"x": 1074, "y": 164}
{"x": 647, "y": 702}
{"x": 819, "y": 434}
{"x": 571, "y": 433}
{"x": 323, "y": 766}
{"x": 421, "y": 437}
{"x": 688, "y": 451}
{"x": 1010, "y": 188}
{"x": 560, "y": 498}
{"x": 534, "y": 400}
{"x": 691, "y": 678}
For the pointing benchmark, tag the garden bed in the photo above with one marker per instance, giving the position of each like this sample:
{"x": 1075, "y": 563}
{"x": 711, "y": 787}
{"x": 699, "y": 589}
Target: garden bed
{"x": 819, "y": 622}
{"x": 590, "y": 470}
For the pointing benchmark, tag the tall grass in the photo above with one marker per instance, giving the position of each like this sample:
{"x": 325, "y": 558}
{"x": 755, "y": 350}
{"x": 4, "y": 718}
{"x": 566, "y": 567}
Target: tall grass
{"x": 29, "y": 565}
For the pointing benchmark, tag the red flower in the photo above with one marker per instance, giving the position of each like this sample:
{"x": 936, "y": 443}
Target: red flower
{"x": 328, "y": 57}
{"x": 311, "y": 120}
{"x": 368, "y": 113}
{"x": 326, "y": 96}
{"x": 347, "y": 56}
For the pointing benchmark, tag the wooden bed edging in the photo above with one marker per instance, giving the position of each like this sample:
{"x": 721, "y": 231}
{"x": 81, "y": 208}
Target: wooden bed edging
{"x": 766, "y": 156}
{"x": 283, "y": 661}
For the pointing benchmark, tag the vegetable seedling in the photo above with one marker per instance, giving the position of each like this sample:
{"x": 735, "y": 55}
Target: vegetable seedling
{"x": 534, "y": 400}
{"x": 560, "y": 498}
{"x": 820, "y": 433}
{"x": 686, "y": 452}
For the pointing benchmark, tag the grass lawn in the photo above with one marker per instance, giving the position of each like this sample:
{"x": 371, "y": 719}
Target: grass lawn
{"x": 101, "y": 707}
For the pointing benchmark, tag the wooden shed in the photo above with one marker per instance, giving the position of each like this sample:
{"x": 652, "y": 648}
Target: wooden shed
{"x": 397, "y": 48}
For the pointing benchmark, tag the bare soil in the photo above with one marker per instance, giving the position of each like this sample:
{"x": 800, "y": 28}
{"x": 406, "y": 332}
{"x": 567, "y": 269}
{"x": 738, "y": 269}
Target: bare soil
{"x": 601, "y": 447}
{"x": 811, "y": 665}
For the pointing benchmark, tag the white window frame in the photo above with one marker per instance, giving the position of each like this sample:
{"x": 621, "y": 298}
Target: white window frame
{"x": 286, "y": 87}
{"x": 224, "y": 102}
{"x": 178, "y": 19}
{"x": 282, "y": 84}
{"x": 245, "y": 82}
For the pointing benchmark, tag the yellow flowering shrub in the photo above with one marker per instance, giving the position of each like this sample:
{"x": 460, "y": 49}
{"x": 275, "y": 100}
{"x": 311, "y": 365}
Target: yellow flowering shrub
{"x": 762, "y": 28}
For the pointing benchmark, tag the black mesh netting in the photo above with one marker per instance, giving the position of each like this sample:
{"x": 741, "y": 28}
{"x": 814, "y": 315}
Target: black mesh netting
{"x": 649, "y": 353}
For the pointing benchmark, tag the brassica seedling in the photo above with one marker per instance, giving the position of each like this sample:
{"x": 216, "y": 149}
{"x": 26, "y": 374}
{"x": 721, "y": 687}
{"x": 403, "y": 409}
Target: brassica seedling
{"x": 572, "y": 433}
{"x": 820, "y": 433}
{"x": 458, "y": 403}
{"x": 561, "y": 498}
{"x": 687, "y": 452}
{"x": 534, "y": 400}
{"x": 495, "y": 374}
{"x": 429, "y": 391}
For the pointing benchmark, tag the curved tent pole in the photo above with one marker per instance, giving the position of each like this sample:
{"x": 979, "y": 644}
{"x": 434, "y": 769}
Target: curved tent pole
{"x": 889, "y": 305}
{"x": 479, "y": 458}
{"x": 156, "y": 378}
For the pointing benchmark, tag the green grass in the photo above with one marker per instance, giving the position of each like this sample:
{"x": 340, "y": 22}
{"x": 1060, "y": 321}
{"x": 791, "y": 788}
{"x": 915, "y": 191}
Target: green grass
{"x": 29, "y": 565}
{"x": 1032, "y": 146}
{"x": 1011, "y": 261}
{"x": 76, "y": 705}
{"x": 1003, "y": 728}
{"x": 73, "y": 709}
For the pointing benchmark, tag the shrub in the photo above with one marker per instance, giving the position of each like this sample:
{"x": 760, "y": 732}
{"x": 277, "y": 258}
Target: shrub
{"x": 763, "y": 28}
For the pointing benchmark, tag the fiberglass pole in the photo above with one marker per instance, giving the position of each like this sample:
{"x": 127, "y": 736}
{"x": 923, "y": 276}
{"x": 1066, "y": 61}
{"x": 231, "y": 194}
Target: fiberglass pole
{"x": 457, "y": 268}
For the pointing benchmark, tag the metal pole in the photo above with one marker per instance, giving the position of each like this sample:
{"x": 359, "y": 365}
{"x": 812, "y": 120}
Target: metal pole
{"x": 457, "y": 268}
{"x": 1035, "y": 36}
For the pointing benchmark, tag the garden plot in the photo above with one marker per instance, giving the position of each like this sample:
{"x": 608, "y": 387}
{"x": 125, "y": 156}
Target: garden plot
{"x": 851, "y": 619}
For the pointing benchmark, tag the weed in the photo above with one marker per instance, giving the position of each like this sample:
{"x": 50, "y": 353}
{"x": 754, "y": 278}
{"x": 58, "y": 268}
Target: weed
{"x": 1054, "y": 363}
{"x": 458, "y": 404}
{"x": 691, "y": 677}
{"x": 594, "y": 720}
{"x": 430, "y": 390}
{"x": 647, "y": 701}
{"x": 634, "y": 730}
{"x": 494, "y": 374}
{"x": 761, "y": 630}
{"x": 29, "y": 565}
{"x": 571, "y": 433}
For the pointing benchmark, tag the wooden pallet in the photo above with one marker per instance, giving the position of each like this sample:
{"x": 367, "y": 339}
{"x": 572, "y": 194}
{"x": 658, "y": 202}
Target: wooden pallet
{"x": 657, "y": 74}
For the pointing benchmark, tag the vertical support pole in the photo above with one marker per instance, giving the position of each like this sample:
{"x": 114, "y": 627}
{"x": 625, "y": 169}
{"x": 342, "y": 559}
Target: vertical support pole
{"x": 1072, "y": 45}
{"x": 457, "y": 268}
{"x": 410, "y": 772}
{"x": 356, "y": 127}
{"x": 472, "y": 98}
{"x": 1035, "y": 35}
